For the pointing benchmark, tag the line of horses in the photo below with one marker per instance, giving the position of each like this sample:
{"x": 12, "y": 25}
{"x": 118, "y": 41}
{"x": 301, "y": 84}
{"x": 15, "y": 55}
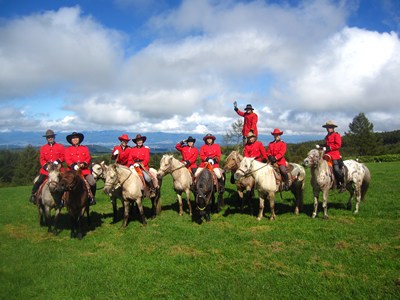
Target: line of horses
{"x": 249, "y": 174}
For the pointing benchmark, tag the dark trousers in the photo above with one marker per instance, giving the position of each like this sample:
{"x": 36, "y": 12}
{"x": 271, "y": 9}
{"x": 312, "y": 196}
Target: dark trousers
{"x": 337, "y": 169}
{"x": 282, "y": 168}
{"x": 37, "y": 184}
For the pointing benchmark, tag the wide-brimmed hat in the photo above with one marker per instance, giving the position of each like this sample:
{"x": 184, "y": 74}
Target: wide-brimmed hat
{"x": 277, "y": 131}
{"x": 79, "y": 135}
{"x": 209, "y": 136}
{"x": 250, "y": 134}
{"x": 248, "y": 106}
{"x": 49, "y": 133}
{"x": 190, "y": 139}
{"x": 329, "y": 124}
{"x": 139, "y": 137}
{"x": 124, "y": 137}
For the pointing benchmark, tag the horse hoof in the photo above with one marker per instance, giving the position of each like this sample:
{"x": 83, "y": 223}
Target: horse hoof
{"x": 55, "y": 232}
{"x": 208, "y": 218}
{"x": 259, "y": 219}
{"x": 73, "y": 236}
{"x": 80, "y": 236}
{"x": 144, "y": 224}
{"x": 326, "y": 217}
{"x": 313, "y": 216}
{"x": 153, "y": 217}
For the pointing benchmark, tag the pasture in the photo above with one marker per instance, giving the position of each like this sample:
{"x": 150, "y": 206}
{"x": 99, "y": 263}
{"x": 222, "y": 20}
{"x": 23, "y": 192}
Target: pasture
{"x": 232, "y": 257}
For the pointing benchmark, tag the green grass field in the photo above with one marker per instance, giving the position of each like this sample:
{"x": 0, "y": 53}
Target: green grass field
{"x": 232, "y": 257}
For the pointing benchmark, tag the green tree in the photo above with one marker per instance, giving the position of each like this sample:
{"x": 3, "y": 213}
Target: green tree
{"x": 361, "y": 136}
{"x": 234, "y": 137}
{"x": 8, "y": 161}
{"x": 28, "y": 167}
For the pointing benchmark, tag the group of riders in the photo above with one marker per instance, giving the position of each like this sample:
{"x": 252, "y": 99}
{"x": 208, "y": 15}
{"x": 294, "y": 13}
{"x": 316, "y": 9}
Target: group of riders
{"x": 77, "y": 156}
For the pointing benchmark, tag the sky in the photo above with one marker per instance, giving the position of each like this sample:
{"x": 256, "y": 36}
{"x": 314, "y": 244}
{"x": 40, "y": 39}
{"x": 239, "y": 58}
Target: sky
{"x": 177, "y": 66}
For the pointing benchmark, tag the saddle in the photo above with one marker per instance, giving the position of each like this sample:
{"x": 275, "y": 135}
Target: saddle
{"x": 143, "y": 186}
{"x": 39, "y": 192}
{"x": 328, "y": 159}
{"x": 291, "y": 171}
{"x": 215, "y": 179}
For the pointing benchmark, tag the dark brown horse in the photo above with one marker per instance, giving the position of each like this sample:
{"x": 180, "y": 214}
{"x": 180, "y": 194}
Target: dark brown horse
{"x": 205, "y": 198}
{"x": 76, "y": 201}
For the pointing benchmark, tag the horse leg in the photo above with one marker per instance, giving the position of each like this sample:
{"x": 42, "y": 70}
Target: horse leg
{"x": 325, "y": 204}
{"x": 271, "y": 198}
{"x": 358, "y": 195}
{"x": 153, "y": 207}
{"x": 261, "y": 207}
{"x": 47, "y": 212}
{"x": 89, "y": 220}
{"x": 57, "y": 212}
{"x": 179, "y": 195}
{"x": 316, "y": 195}
{"x": 79, "y": 225}
{"x": 240, "y": 199}
{"x": 140, "y": 207}
{"x": 115, "y": 210}
{"x": 188, "y": 201}
{"x": 73, "y": 225}
{"x": 126, "y": 213}
{"x": 42, "y": 222}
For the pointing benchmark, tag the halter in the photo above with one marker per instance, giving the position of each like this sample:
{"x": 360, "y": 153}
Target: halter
{"x": 113, "y": 184}
{"x": 245, "y": 174}
{"x": 100, "y": 176}
{"x": 168, "y": 171}
{"x": 70, "y": 187}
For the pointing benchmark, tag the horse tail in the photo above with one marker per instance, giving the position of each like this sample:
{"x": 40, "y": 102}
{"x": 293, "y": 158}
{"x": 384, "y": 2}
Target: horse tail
{"x": 366, "y": 182}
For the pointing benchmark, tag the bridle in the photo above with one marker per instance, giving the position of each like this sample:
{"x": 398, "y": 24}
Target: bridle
{"x": 245, "y": 174}
{"x": 169, "y": 169}
{"x": 116, "y": 181}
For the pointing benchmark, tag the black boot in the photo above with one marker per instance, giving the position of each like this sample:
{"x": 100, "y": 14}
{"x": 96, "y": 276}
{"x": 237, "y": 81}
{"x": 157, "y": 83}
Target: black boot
{"x": 32, "y": 199}
{"x": 286, "y": 179}
{"x": 342, "y": 186}
{"x": 91, "y": 197}
{"x": 233, "y": 177}
{"x": 221, "y": 185}
{"x": 152, "y": 189}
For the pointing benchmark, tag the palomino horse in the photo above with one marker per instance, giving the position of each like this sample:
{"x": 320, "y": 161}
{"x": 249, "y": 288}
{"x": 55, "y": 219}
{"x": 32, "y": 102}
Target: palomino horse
{"x": 118, "y": 176}
{"x": 76, "y": 201}
{"x": 50, "y": 197}
{"x": 205, "y": 189}
{"x": 233, "y": 161}
{"x": 182, "y": 178}
{"x": 322, "y": 179}
{"x": 267, "y": 185}
{"x": 98, "y": 172}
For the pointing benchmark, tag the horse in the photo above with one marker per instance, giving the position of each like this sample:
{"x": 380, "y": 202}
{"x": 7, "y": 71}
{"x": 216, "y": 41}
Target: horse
{"x": 50, "y": 197}
{"x": 245, "y": 183}
{"x": 98, "y": 172}
{"x": 119, "y": 176}
{"x": 322, "y": 180}
{"x": 76, "y": 202}
{"x": 181, "y": 176}
{"x": 267, "y": 185}
{"x": 205, "y": 190}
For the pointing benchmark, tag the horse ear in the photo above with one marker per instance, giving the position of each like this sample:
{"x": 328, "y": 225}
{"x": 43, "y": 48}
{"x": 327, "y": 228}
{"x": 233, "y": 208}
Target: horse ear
{"x": 102, "y": 163}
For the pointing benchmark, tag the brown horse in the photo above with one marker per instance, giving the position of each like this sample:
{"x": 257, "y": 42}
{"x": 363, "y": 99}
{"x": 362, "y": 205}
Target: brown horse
{"x": 76, "y": 201}
{"x": 245, "y": 183}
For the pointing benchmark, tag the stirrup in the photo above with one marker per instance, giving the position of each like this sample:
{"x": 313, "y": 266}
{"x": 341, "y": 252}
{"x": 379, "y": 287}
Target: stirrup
{"x": 92, "y": 201}
{"x": 153, "y": 193}
{"x": 32, "y": 199}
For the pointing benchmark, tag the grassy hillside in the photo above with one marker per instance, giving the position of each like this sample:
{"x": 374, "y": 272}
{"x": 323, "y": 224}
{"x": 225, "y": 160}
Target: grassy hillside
{"x": 232, "y": 257}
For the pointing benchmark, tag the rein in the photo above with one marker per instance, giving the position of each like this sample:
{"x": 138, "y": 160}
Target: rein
{"x": 251, "y": 172}
{"x": 113, "y": 184}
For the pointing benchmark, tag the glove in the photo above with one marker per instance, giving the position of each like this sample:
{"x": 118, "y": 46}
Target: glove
{"x": 270, "y": 158}
{"x": 76, "y": 168}
{"x": 211, "y": 161}
{"x": 131, "y": 168}
{"x": 136, "y": 165}
{"x": 235, "y": 104}
{"x": 45, "y": 167}
{"x": 207, "y": 159}
{"x": 215, "y": 161}
{"x": 185, "y": 141}
{"x": 317, "y": 146}
{"x": 327, "y": 148}
{"x": 181, "y": 142}
{"x": 264, "y": 160}
{"x": 116, "y": 152}
{"x": 187, "y": 162}
{"x": 252, "y": 130}
{"x": 273, "y": 160}
{"x": 236, "y": 109}
{"x": 55, "y": 162}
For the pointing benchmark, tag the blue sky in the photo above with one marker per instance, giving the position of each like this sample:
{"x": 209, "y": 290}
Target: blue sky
{"x": 177, "y": 66}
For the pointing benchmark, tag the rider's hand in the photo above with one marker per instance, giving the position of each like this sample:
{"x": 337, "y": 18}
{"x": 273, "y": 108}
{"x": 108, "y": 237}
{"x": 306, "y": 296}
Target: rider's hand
{"x": 136, "y": 165}
{"x": 211, "y": 161}
{"x": 317, "y": 146}
{"x": 131, "y": 168}
{"x": 76, "y": 167}
{"x": 116, "y": 152}
{"x": 55, "y": 162}
{"x": 235, "y": 104}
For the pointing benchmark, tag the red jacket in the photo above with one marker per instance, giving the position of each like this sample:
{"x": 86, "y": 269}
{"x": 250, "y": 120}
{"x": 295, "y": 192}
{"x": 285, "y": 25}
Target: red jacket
{"x": 277, "y": 150}
{"x": 188, "y": 153}
{"x": 333, "y": 140}
{"x": 212, "y": 151}
{"x": 255, "y": 150}
{"x": 78, "y": 154}
{"x": 142, "y": 154}
{"x": 123, "y": 155}
{"x": 51, "y": 153}
{"x": 250, "y": 122}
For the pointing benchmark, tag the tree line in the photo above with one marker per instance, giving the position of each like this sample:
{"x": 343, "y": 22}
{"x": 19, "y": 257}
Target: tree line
{"x": 20, "y": 167}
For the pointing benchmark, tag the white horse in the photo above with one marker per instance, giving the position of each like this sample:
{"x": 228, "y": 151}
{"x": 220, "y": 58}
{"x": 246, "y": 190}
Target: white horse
{"x": 98, "y": 172}
{"x": 182, "y": 178}
{"x": 50, "y": 197}
{"x": 267, "y": 185}
{"x": 322, "y": 179}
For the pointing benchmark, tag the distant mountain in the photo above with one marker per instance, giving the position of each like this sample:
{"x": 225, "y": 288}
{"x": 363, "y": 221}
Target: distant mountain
{"x": 104, "y": 141}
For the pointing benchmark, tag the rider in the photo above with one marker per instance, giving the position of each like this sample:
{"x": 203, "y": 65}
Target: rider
{"x": 189, "y": 153}
{"x": 78, "y": 157}
{"x": 121, "y": 152}
{"x": 211, "y": 153}
{"x": 250, "y": 121}
{"x": 275, "y": 153}
{"x": 51, "y": 152}
{"x": 139, "y": 157}
{"x": 255, "y": 148}
{"x": 331, "y": 147}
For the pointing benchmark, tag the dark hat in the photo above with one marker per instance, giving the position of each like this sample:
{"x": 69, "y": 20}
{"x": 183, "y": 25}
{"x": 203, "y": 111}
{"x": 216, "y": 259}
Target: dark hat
{"x": 250, "y": 134}
{"x": 209, "y": 136}
{"x": 49, "y": 133}
{"x": 124, "y": 137}
{"x": 248, "y": 106}
{"x": 277, "y": 131}
{"x": 143, "y": 138}
{"x": 190, "y": 139}
{"x": 79, "y": 135}
{"x": 329, "y": 124}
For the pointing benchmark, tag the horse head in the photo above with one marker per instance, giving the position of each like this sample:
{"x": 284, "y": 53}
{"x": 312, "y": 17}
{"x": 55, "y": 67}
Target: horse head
{"x": 110, "y": 178}
{"x": 245, "y": 167}
{"x": 69, "y": 180}
{"x": 232, "y": 161}
{"x": 98, "y": 170}
{"x": 53, "y": 173}
{"x": 165, "y": 165}
{"x": 201, "y": 201}
{"x": 313, "y": 157}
